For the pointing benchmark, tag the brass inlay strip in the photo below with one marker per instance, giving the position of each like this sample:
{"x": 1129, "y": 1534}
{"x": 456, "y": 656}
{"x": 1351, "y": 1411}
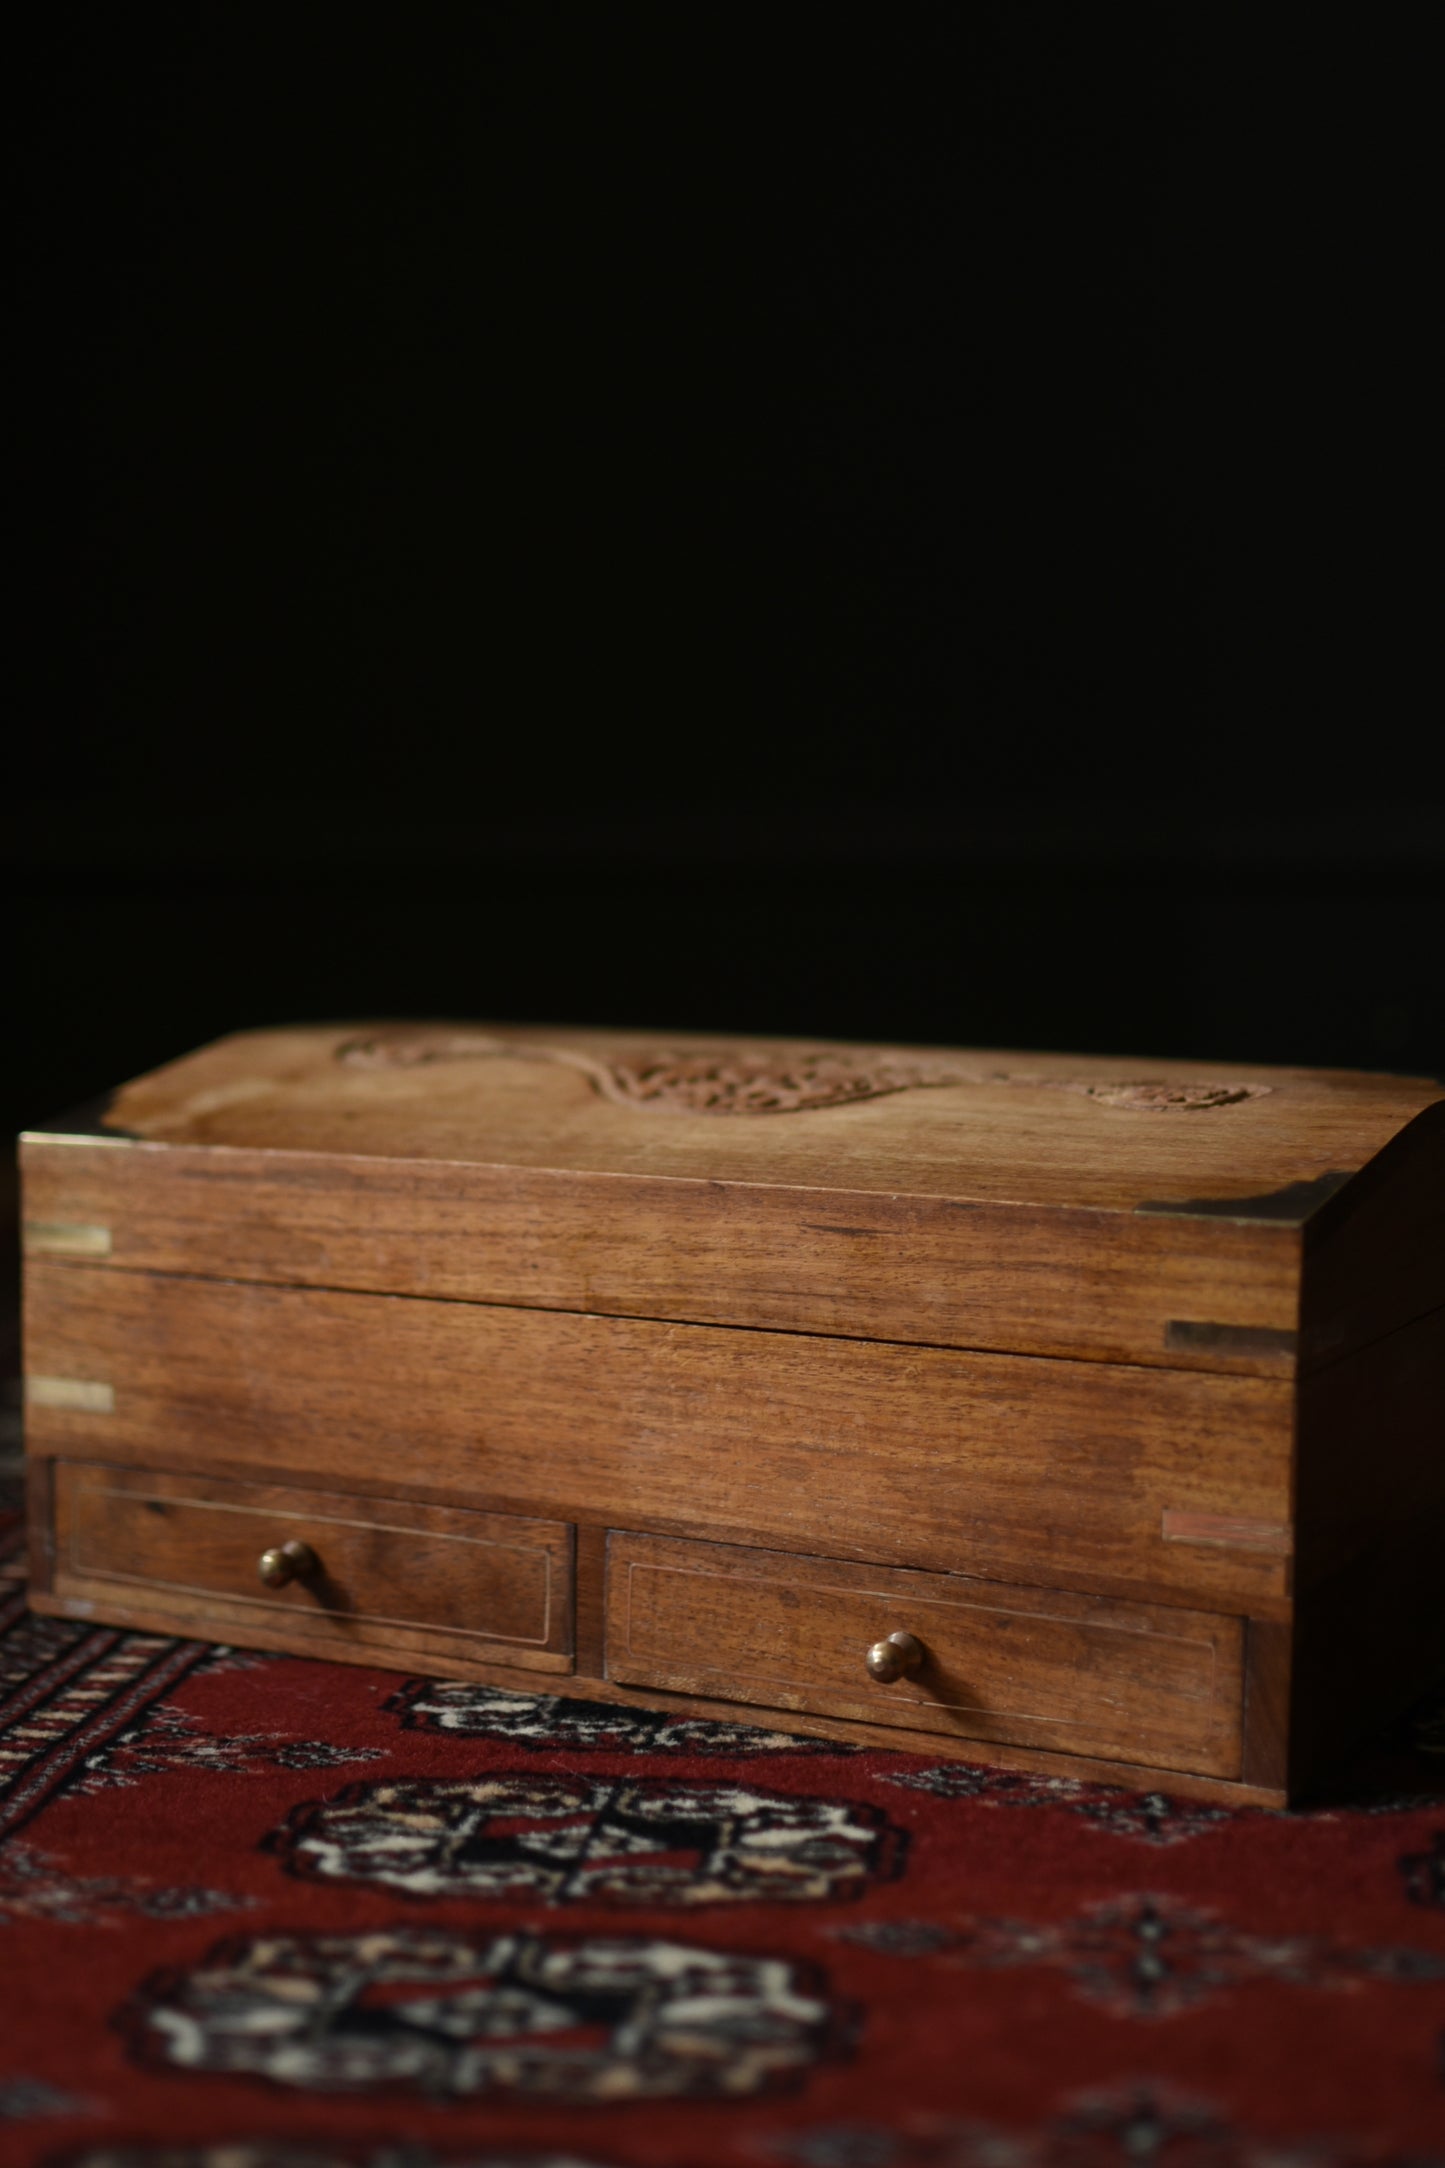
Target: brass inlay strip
{"x": 66, "y": 1238}
{"x": 67, "y": 1136}
{"x": 85, "y": 1394}
{"x": 1233, "y": 1531}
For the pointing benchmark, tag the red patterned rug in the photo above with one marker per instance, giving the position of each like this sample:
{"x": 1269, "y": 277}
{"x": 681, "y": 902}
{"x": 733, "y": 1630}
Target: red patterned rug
{"x": 259, "y": 1912}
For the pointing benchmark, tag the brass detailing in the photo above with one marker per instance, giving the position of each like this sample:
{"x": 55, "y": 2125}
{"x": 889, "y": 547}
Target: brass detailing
{"x": 85, "y": 1137}
{"x": 899, "y": 1657}
{"x": 65, "y": 1238}
{"x": 87, "y": 1395}
{"x": 1187, "y": 1333}
{"x": 1233, "y": 1532}
{"x": 285, "y": 1562}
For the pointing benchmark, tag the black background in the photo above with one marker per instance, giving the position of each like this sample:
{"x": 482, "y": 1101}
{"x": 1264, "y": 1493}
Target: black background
{"x": 893, "y": 524}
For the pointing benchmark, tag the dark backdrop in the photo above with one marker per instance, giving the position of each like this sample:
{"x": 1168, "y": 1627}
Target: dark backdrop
{"x": 880, "y": 523}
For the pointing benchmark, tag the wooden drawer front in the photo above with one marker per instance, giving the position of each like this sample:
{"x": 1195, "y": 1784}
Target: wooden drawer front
{"x": 1165, "y": 1484}
{"x": 1079, "y": 1674}
{"x": 387, "y": 1575}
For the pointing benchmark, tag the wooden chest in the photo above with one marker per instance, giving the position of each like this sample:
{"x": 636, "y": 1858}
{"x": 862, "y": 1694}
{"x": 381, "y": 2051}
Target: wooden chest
{"x": 1068, "y": 1414}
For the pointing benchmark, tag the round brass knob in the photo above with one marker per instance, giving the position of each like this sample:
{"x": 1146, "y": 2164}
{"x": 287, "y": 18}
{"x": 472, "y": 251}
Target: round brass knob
{"x": 899, "y": 1657}
{"x": 287, "y": 1562}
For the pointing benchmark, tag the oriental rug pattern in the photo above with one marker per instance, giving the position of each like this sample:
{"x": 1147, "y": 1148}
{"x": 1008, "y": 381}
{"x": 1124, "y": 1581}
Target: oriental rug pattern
{"x": 264, "y": 1912}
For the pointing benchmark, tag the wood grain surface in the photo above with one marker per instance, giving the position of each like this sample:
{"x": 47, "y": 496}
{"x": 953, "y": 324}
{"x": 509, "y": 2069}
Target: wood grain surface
{"x": 1027, "y": 1666}
{"x": 922, "y": 1270}
{"x": 1019, "y": 1468}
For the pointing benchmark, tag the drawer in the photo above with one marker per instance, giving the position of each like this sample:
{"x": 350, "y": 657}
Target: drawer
{"x": 1077, "y": 1674}
{"x": 371, "y": 1572}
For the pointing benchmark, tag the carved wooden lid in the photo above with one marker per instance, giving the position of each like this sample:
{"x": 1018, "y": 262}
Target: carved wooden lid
{"x": 1022, "y": 1128}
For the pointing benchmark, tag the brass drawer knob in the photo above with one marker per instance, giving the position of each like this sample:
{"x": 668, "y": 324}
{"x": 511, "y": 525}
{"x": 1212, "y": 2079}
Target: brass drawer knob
{"x": 899, "y": 1657}
{"x": 287, "y": 1562}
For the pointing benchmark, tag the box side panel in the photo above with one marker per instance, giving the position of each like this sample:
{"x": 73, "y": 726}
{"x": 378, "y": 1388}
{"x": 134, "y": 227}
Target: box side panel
{"x": 1371, "y": 1532}
{"x": 1374, "y": 1256}
{"x": 1056, "y": 1474}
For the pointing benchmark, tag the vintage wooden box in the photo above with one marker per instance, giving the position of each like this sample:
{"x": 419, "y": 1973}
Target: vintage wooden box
{"x": 1068, "y": 1414}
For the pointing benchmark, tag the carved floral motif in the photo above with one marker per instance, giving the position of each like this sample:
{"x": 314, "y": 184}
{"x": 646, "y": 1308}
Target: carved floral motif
{"x": 1154, "y": 1096}
{"x": 748, "y": 1083}
{"x": 771, "y": 1080}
